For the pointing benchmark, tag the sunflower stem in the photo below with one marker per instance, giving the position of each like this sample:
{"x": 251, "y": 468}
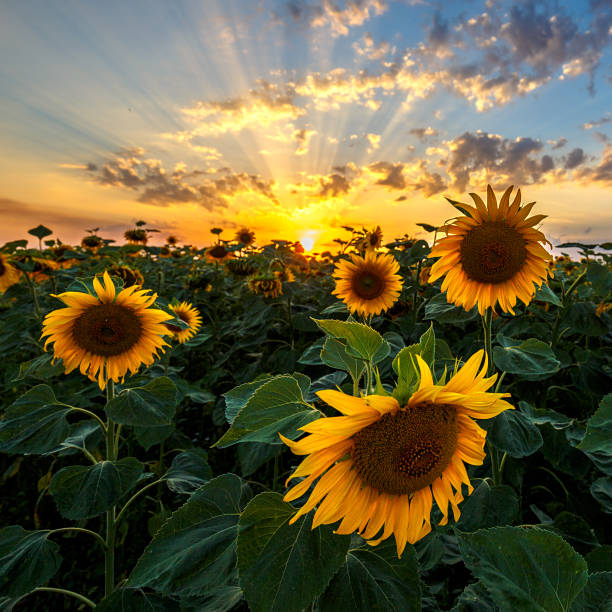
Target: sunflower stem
{"x": 34, "y": 295}
{"x": 111, "y": 455}
{"x": 355, "y": 387}
{"x": 95, "y": 534}
{"x": 84, "y": 599}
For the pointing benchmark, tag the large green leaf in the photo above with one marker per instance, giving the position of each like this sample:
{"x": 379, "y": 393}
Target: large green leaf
{"x": 488, "y": 506}
{"x": 40, "y": 231}
{"x": 194, "y": 552}
{"x": 532, "y": 359}
{"x": 601, "y": 490}
{"x": 545, "y": 294}
{"x": 136, "y": 600}
{"x": 28, "y": 559}
{"x": 277, "y": 406}
{"x": 439, "y": 309}
{"x": 236, "y": 398}
{"x": 525, "y": 568}
{"x": 34, "y": 423}
{"x": 374, "y": 579}
{"x": 334, "y": 354}
{"x": 153, "y": 405}
{"x": 284, "y": 567}
{"x": 598, "y": 435}
{"x": 600, "y": 277}
{"x": 189, "y": 471}
{"x": 596, "y": 595}
{"x": 475, "y": 599}
{"x": 513, "y": 432}
{"x": 361, "y": 340}
{"x": 40, "y": 368}
{"x": 86, "y": 491}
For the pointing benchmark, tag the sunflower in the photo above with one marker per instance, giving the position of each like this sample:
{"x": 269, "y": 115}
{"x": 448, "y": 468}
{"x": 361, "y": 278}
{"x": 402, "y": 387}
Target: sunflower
{"x": 129, "y": 276}
{"x": 186, "y": 312}
{"x": 240, "y": 267}
{"x": 492, "y": 254}
{"x": 372, "y": 240}
{"x": 382, "y": 464}
{"x": 9, "y": 275}
{"x": 107, "y": 334}
{"x": 245, "y": 236}
{"x": 368, "y": 285}
{"x": 136, "y": 236}
{"x": 92, "y": 242}
{"x": 171, "y": 240}
{"x": 217, "y": 254}
{"x": 269, "y": 286}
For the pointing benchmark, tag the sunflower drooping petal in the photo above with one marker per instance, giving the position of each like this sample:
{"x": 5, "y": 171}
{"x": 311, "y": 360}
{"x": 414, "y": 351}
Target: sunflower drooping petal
{"x": 492, "y": 256}
{"x": 378, "y": 468}
{"x": 190, "y": 315}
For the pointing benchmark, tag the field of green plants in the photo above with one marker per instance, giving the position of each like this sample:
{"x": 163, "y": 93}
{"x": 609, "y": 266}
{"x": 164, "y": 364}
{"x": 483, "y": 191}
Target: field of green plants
{"x": 165, "y": 491}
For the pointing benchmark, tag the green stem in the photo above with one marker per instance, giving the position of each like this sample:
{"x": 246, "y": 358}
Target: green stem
{"x": 356, "y": 387}
{"x": 138, "y": 493}
{"x": 34, "y": 295}
{"x": 84, "y": 599}
{"x": 487, "y": 324}
{"x": 275, "y": 476}
{"x": 93, "y": 533}
{"x": 501, "y": 465}
{"x": 111, "y": 455}
{"x": 91, "y": 414}
{"x": 290, "y": 318}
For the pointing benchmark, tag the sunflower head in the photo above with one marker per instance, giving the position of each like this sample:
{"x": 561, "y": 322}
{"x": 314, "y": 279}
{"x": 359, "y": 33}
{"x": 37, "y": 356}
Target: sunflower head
{"x": 245, "y": 236}
{"x": 217, "y": 253}
{"x": 92, "y": 241}
{"x": 240, "y": 267}
{"x": 491, "y": 254}
{"x": 9, "y": 275}
{"x": 171, "y": 240}
{"x": 381, "y": 465}
{"x": 106, "y": 333}
{"x": 129, "y": 276}
{"x": 136, "y": 236}
{"x": 368, "y": 285}
{"x": 190, "y": 315}
{"x": 372, "y": 240}
{"x": 270, "y": 286}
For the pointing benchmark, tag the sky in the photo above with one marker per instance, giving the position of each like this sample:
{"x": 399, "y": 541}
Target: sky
{"x": 294, "y": 118}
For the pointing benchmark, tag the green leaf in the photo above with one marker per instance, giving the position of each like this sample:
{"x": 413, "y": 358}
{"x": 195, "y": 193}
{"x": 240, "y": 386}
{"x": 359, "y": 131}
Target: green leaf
{"x": 488, "y": 506}
{"x": 236, "y": 398}
{"x": 545, "y": 294}
{"x": 601, "y": 490}
{"x": 39, "y": 368}
{"x": 83, "y": 492}
{"x": 525, "y": 568}
{"x": 220, "y": 599}
{"x": 439, "y": 309}
{"x": 532, "y": 358}
{"x": 513, "y": 432}
{"x": 189, "y": 471}
{"x": 40, "y": 231}
{"x": 312, "y": 355}
{"x": 87, "y": 433}
{"x": 475, "y": 599}
{"x": 153, "y": 405}
{"x": 252, "y": 455}
{"x": 328, "y": 381}
{"x": 600, "y": 559}
{"x": 34, "y": 423}
{"x": 573, "y": 528}
{"x": 462, "y": 208}
{"x": 194, "y": 552}
{"x": 276, "y": 406}
{"x": 334, "y": 355}
{"x": 582, "y": 319}
{"x": 362, "y": 341}
{"x": 148, "y": 437}
{"x": 136, "y": 600}
{"x": 28, "y": 559}
{"x": 598, "y": 435}
{"x": 373, "y": 578}
{"x": 596, "y": 595}
{"x": 600, "y": 277}
{"x": 284, "y": 567}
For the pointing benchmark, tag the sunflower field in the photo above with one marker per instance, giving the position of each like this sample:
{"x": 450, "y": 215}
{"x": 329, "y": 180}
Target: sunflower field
{"x": 399, "y": 425}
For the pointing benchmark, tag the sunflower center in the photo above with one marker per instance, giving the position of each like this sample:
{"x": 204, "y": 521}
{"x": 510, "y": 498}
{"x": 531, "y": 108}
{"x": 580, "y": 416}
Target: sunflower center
{"x": 368, "y": 285}
{"x": 405, "y": 452}
{"x": 493, "y": 252}
{"x": 2, "y": 267}
{"x": 107, "y": 330}
{"x": 218, "y": 251}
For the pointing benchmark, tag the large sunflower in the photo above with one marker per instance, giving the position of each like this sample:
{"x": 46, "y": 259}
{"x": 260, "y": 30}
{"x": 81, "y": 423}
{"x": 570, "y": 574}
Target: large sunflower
{"x": 492, "y": 254}
{"x": 9, "y": 275}
{"x": 368, "y": 285}
{"x": 106, "y": 334}
{"x": 382, "y": 465}
{"x": 188, "y": 313}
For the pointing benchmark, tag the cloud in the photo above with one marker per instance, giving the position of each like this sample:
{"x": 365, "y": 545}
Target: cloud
{"x": 334, "y": 185}
{"x": 574, "y": 159}
{"x": 589, "y": 125}
{"x": 129, "y": 169}
{"x": 393, "y": 174}
{"x": 372, "y": 50}
{"x": 374, "y": 140}
{"x": 601, "y": 173}
{"x": 302, "y": 137}
{"x": 557, "y": 144}
{"x": 423, "y": 134}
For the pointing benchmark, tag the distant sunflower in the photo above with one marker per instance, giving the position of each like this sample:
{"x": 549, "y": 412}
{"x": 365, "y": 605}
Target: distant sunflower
{"x": 368, "y": 285}
{"x": 382, "y": 465}
{"x": 372, "y": 240}
{"x": 245, "y": 236}
{"x": 492, "y": 254}
{"x": 217, "y": 254}
{"x": 171, "y": 240}
{"x": 9, "y": 275}
{"x": 186, "y": 312}
{"x": 92, "y": 242}
{"x": 106, "y": 334}
{"x": 270, "y": 287}
{"x": 240, "y": 267}
{"x": 129, "y": 276}
{"x": 136, "y": 236}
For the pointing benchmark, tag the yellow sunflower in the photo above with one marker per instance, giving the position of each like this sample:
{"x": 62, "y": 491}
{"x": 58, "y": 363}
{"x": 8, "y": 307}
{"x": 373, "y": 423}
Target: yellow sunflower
{"x": 492, "y": 254}
{"x": 217, "y": 254}
{"x": 270, "y": 287}
{"x": 372, "y": 239}
{"x": 188, "y": 313}
{"x": 9, "y": 275}
{"x": 368, "y": 285}
{"x": 381, "y": 465}
{"x": 245, "y": 236}
{"x": 107, "y": 334}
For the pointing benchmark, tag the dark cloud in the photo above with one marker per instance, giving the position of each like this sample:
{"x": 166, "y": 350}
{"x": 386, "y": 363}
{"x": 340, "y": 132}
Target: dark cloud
{"x": 558, "y": 144}
{"x": 602, "y": 172}
{"x": 424, "y": 134}
{"x": 333, "y": 185}
{"x": 589, "y": 125}
{"x": 394, "y": 178}
{"x": 401, "y": 198}
{"x": 430, "y": 183}
{"x": 574, "y": 159}
{"x": 601, "y": 137}
{"x": 439, "y": 35}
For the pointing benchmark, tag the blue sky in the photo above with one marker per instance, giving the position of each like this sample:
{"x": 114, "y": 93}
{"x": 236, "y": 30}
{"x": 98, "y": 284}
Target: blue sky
{"x": 295, "y": 117}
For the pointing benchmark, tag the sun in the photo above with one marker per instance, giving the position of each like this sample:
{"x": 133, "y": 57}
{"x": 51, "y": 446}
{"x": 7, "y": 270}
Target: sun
{"x": 308, "y": 240}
